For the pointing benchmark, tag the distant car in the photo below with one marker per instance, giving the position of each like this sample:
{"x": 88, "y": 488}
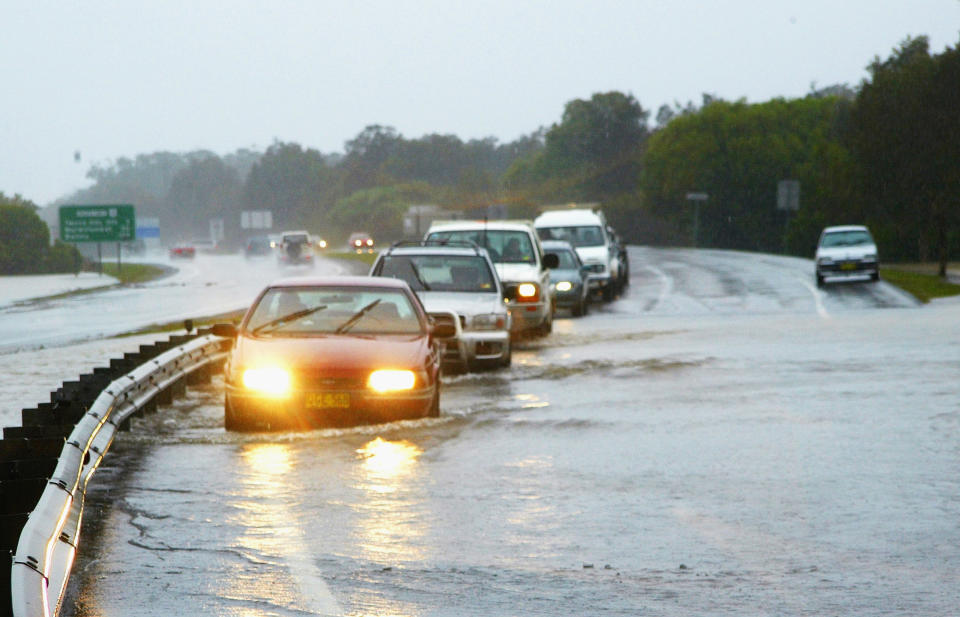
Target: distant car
{"x": 339, "y": 351}
{"x": 361, "y": 241}
{"x": 321, "y": 244}
{"x": 844, "y": 252}
{"x": 257, "y": 246}
{"x": 205, "y": 245}
{"x": 457, "y": 284}
{"x": 515, "y": 251}
{"x": 296, "y": 248}
{"x": 570, "y": 279}
{"x": 183, "y": 251}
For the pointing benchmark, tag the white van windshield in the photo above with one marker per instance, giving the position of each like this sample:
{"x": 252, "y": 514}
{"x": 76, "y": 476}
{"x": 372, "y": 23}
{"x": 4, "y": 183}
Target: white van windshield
{"x": 581, "y": 235}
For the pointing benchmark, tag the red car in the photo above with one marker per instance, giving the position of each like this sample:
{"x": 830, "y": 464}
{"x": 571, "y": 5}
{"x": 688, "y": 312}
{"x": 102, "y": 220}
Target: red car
{"x": 341, "y": 351}
{"x": 183, "y": 251}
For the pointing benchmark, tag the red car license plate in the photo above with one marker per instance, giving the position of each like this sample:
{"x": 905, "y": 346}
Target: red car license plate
{"x": 327, "y": 400}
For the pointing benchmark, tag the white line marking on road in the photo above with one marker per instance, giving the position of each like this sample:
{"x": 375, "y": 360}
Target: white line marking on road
{"x": 666, "y": 284}
{"x": 817, "y": 298}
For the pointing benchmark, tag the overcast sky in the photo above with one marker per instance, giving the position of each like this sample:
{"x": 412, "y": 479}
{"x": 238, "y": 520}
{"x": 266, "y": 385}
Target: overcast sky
{"x": 112, "y": 79}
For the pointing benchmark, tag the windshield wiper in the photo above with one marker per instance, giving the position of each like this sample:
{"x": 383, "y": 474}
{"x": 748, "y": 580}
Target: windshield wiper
{"x": 416, "y": 273}
{"x": 355, "y": 317}
{"x": 282, "y": 321}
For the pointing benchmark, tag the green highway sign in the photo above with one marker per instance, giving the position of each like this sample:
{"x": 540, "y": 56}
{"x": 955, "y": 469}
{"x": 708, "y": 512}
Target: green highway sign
{"x": 107, "y": 223}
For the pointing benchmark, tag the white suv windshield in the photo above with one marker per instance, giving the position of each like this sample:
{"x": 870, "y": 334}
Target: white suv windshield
{"x": 440, "y": 272}
{"x": 583, "y": 235}
{"x": 504, "y": 246}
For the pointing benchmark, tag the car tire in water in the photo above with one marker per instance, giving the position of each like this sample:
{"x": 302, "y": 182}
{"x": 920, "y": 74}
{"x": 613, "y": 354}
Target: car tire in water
{"x": 580, "y": 308}
{"x": 819, "y": 280}
{"x": 507, "y": 359}
{"x": 233, "y": 420}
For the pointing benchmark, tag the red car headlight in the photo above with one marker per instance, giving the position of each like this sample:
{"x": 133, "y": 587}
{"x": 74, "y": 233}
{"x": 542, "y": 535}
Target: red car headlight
{"x": 386, "y": 380}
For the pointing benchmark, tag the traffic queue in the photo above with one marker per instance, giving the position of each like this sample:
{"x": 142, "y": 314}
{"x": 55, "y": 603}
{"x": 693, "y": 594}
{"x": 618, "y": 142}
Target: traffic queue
{"x": 340, "y": 351}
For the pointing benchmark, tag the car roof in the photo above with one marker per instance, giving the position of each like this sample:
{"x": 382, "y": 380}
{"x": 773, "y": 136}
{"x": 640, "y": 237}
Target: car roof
{"x": 512, "y": 225}
{"x": 340, "y": 281}
{"x": 845, "y": 228}
{"x": 563, "y": 218}
{"x": 436, "y": 250}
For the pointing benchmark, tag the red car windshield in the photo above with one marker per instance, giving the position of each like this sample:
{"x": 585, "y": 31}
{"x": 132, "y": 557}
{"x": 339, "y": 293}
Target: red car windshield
{"x": 304, "y": 311}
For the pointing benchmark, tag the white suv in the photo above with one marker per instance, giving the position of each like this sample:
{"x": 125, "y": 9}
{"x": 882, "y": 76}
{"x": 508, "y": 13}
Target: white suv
{"x": 587, "y": 231}
{"x": 457, "y": 284}
{"x": 846, "y": 251}
{"x": 514, "y": 247}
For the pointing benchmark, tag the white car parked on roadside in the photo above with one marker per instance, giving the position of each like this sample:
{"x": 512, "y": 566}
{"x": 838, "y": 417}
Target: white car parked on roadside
{"x": 846, "y": 251}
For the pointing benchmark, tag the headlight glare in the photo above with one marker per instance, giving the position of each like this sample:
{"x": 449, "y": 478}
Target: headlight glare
{"x": 387, "y": 380}
{"x": 564, "y": 286}
{"x": 272, "y": 381}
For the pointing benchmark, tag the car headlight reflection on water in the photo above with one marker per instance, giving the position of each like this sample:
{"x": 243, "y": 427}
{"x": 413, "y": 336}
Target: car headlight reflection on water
{"x": 272, "y": 381}
{"x": 387, "y": 380}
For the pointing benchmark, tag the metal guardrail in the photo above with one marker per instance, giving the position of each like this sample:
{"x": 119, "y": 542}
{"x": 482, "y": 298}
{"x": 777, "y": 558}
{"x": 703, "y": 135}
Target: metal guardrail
{"x": 48, "y": 543}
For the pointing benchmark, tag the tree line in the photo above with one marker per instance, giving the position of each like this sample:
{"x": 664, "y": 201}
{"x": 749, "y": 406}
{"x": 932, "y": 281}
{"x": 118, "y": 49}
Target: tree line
{"x": 884, "y": 153}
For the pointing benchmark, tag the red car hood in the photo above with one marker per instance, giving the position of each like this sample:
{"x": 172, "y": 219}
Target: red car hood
{"x": 336, "y": 352}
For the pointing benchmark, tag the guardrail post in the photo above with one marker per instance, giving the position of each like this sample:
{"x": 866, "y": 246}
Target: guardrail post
{"x": 25, "y": 466}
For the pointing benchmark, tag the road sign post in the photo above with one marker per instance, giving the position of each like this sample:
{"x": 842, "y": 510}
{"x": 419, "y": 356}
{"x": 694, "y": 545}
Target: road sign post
{"x": 696, "y": 198}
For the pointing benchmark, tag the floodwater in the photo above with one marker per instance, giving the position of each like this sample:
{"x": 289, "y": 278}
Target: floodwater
{"x": 725, "y": 439}
{"x": 207, "y": 285}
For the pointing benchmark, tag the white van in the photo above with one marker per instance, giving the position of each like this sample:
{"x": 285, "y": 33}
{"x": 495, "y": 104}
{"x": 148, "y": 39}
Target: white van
{"x": 589, "y": 234}
{"x": 514, "y": 247}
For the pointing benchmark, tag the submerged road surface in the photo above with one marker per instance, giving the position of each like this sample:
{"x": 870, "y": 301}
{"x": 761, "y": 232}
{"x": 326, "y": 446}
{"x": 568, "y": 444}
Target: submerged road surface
{"x": 725, "y": 439}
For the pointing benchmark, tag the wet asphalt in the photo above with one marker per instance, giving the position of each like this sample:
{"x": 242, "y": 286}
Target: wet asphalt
{"x": 723, "y": 439}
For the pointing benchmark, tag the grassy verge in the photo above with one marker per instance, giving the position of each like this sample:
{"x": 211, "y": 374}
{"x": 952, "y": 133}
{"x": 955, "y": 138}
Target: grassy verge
{"x": 178, "y": 326}
{"x": 920, "y": 283}
{"x": 134, "y": 273}
{"x": 367, "y": 258}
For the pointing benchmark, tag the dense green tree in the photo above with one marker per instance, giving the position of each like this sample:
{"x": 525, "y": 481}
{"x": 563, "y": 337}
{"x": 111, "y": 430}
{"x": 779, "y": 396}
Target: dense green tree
{"x": 294, "y": 183}
{"x": 592, "y": 154}
{"x": 904, "y": 127}
{"x": 24, "y": 237}
{"x": 379, "y": 211}
{"x": 737, "y": 153}
{"x": 203, "y": 190}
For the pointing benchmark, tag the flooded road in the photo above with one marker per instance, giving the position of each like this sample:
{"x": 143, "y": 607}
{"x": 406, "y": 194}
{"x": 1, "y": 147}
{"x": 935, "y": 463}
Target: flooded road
{"x": 725, "y": 439}
{"x": 208, "y": 285}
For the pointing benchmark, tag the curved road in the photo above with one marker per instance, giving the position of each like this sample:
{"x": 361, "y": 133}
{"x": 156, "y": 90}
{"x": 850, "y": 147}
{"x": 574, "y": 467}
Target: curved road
{"x": 725, "y": 439}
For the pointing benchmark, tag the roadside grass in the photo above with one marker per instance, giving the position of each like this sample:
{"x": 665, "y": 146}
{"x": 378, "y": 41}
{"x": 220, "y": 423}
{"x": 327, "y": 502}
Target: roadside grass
{"x": 367, "y": 258}
{"x": 919, "y": 280}
{"x": 134, "y": 273}
{"x": 197, "y": 322}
